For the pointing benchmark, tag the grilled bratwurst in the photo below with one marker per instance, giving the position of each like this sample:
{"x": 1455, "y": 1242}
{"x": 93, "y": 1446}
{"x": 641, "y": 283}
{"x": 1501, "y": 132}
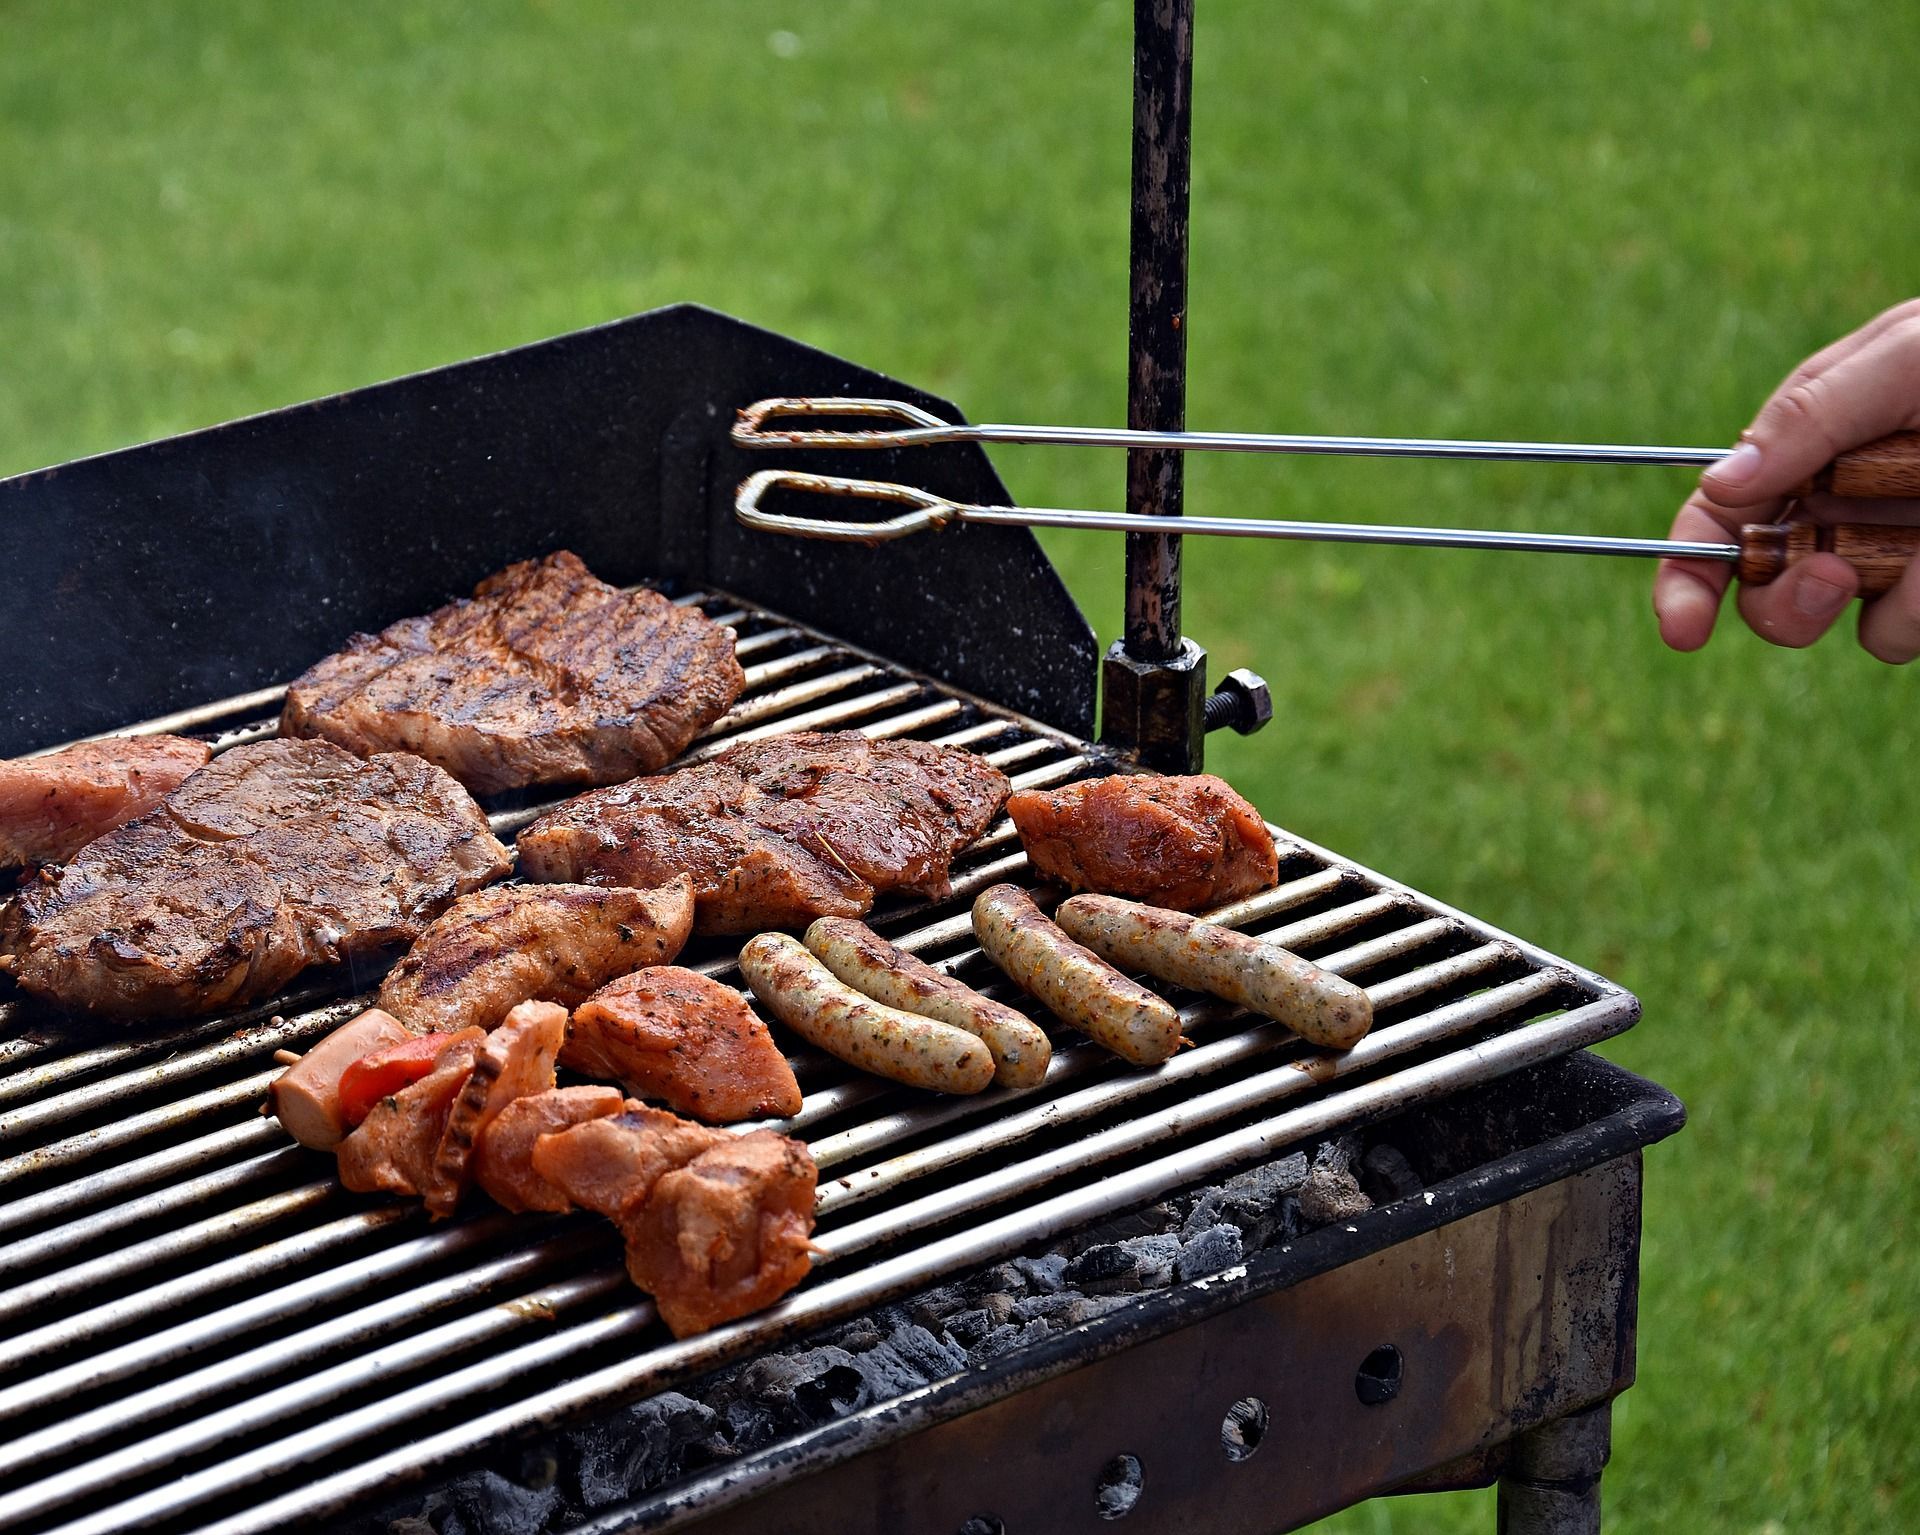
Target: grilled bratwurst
{"x": 273, "y": 857}
{"x": 546, "y": 675}
{"x": 778, "y": 832}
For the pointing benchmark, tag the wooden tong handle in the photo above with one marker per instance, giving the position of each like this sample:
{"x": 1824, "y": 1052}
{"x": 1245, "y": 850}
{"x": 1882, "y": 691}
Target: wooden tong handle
{"x": 1889, "y": 467}
{"x": 1879, "y": 551}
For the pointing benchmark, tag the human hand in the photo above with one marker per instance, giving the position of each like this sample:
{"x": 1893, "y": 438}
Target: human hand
{"x": 1860, "y": 388}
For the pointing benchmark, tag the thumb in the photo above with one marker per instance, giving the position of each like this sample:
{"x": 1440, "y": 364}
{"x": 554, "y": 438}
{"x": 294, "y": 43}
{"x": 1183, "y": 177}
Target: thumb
{"x": 1810, "y": 421}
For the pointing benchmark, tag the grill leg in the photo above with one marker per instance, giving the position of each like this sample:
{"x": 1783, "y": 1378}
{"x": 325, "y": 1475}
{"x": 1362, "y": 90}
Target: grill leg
{"x": 1552, "y": 1482}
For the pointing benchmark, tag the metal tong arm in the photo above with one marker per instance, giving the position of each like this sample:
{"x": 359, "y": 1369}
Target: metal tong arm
{"x": 1889, "y": 467}
{"x": 1879, "y": 553}
{"x": 931, "y": 511}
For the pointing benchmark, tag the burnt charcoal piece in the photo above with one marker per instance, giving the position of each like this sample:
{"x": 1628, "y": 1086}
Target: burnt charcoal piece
{"x": 1044, "y": 1275}
{"x": 1260, "y": 1202}
{"x": 1216, "y": 1248}
{"x": 638, "y": 1449}
{"x": 966, "y": 1328}
{"x": 1154, "y": 1257}
{"x": 1386, "y": 1175}
{"x": 1103, "y": 1270}
{"x": 486, "y": 1503}
{"x": 547, "y": 675}
{"x": 1331, "y": 1192}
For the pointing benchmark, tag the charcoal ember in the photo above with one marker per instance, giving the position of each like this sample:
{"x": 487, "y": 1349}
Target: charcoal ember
{"x": 1331, "y": 1192}
{"x": 637, "y": 1448}
{"x": 1001, "y": 1279}
{"x": 1044, "y": 1274}
{"x": 775, "y": 1377}
{"x": 905, "y": 1360}
{"x": 932, "y": 1309}
{"x": 1259, "y": 1203}
{"x": 1208, "y": 1252}
{"x": 966, "y": 1328}
{"x": 833, "y": 1393}
{"x": 748, "y": 1426}
{"x": 1001, "y": 1340}
{"x": 1387, "y": 1175}
{"x": 412, "y": 1524}
{"x": 1153, "y": 1258}
{"x": 1066, "y": 1309}
{"x": 1103, "y": 1270}
{"x": 487, "y": 1503}
{"x": 859, "y": 1335}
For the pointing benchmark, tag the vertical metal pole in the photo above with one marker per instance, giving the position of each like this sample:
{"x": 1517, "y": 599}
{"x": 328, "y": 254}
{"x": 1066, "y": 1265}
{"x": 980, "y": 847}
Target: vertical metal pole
{"x": 1552, "y": 1483}
{"x": 1157, "y": 313}
{"x": 1153, "y": 682}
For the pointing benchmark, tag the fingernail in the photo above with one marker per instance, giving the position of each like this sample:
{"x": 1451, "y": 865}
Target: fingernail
{"x": 1739, "y": 466}
{"x": 1818, "y": 598}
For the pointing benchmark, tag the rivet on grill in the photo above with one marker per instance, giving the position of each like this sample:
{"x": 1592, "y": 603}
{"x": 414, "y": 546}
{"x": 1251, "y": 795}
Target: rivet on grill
{"x": 1244, "y": 1426}
{"x": 984, "y": 1524}
{"x": 1379, "y": 1377}
{"x": 1118, "y": 1488}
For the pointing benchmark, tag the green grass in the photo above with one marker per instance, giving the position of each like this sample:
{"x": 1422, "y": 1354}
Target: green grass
{"x": 1490, "y": 217}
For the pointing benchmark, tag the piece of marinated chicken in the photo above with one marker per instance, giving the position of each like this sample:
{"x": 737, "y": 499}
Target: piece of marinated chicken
{"x": 514, "y": 1061}
{"x": 1187, "y": 843}
{"x": 716, "y": 1225}
{"x": 496, "y": 948}
{"x": 727, "y": 1234}
{"x": 606, "y": 1162}
{"x": 677, "y": 1036}
{"x": 395, "y": 1147}
{"x": 503, "y": 1156}
{"x": 52, "y": 806}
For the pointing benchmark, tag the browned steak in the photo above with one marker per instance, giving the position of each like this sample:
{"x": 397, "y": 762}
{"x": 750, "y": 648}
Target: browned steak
{"x": 273, "y": 857}
{"x": 546, "y": 675}
{"x": 52, "y": 806}
{"x": 778, "y": 832}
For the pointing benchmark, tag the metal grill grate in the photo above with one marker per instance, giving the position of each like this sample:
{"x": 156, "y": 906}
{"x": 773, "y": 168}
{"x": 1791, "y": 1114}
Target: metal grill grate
{"x": 201, "y": 1330}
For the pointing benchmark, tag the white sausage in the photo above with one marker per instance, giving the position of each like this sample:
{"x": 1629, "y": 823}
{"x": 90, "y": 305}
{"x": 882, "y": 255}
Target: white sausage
{"x": 1080, "y": 987}
{"x": 1316, "y": 1004}
{"x": 867, "y": 962}
{"x": 809, "y": 999}
{"x": 306, "y": 1095}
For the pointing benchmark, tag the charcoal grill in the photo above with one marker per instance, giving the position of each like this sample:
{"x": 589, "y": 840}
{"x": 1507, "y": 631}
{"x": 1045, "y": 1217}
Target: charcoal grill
{"x": 199, "y": 1330}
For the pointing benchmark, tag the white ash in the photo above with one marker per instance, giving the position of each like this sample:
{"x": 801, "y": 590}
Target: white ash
{"x": 898, "y": 1348}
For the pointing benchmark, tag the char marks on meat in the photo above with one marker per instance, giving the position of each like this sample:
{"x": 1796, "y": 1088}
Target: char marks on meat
{"x": 1187, "y": 843}
{"x": 685, "y": 1039}
{"x": 552, "y": 943}
{"x": 274, "y": 857}
{"x": 546, "y": 675}
{"x": 780, "y": 831}
{"x": 52, "y": 806}
{"x": 514, "y": 1061}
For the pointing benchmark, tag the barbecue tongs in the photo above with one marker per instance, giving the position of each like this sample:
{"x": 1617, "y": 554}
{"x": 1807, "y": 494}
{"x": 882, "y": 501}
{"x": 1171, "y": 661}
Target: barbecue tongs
{"x": 1879, "y": 552}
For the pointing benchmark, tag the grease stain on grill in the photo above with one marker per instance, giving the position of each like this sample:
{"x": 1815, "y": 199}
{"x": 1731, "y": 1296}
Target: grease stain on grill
{"x": 531, "y": 1308}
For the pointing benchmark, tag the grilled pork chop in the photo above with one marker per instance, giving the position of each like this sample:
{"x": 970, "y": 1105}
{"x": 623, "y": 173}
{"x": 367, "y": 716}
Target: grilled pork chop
{"x": 678, "y": 1036}
{"x": 52, "y": 806}
{"x": 545, "y": 675}
{"x": 716, "y": 1225}
{"x": 780, "y": 831}
{"x": 273, "y": 857}
{"x": 557, "y": 943}
{"x": 1189, "y": 843}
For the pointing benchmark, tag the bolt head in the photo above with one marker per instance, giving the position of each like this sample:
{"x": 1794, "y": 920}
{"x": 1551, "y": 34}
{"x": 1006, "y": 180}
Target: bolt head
{"x": 1256, "y": 698}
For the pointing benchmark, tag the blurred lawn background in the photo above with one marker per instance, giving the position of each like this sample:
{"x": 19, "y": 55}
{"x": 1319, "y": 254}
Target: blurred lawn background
{"x": 1619, "y": 221}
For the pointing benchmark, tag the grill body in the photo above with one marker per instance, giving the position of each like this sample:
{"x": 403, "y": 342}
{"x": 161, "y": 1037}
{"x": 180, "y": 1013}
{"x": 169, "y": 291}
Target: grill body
{"x": 198, "y": 1330}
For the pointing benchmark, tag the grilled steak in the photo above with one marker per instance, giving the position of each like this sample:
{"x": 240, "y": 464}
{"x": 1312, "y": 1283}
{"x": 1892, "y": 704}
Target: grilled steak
{"x": 780, "y": 831}
{"x": 678, "y": 1036}
{"x": 1189, "y": 843}
{"x": 51, "y": 807}
{"x": 557, "y": 943}
{"x": 273, "y": 857}
{"x": 546, "y": 675}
